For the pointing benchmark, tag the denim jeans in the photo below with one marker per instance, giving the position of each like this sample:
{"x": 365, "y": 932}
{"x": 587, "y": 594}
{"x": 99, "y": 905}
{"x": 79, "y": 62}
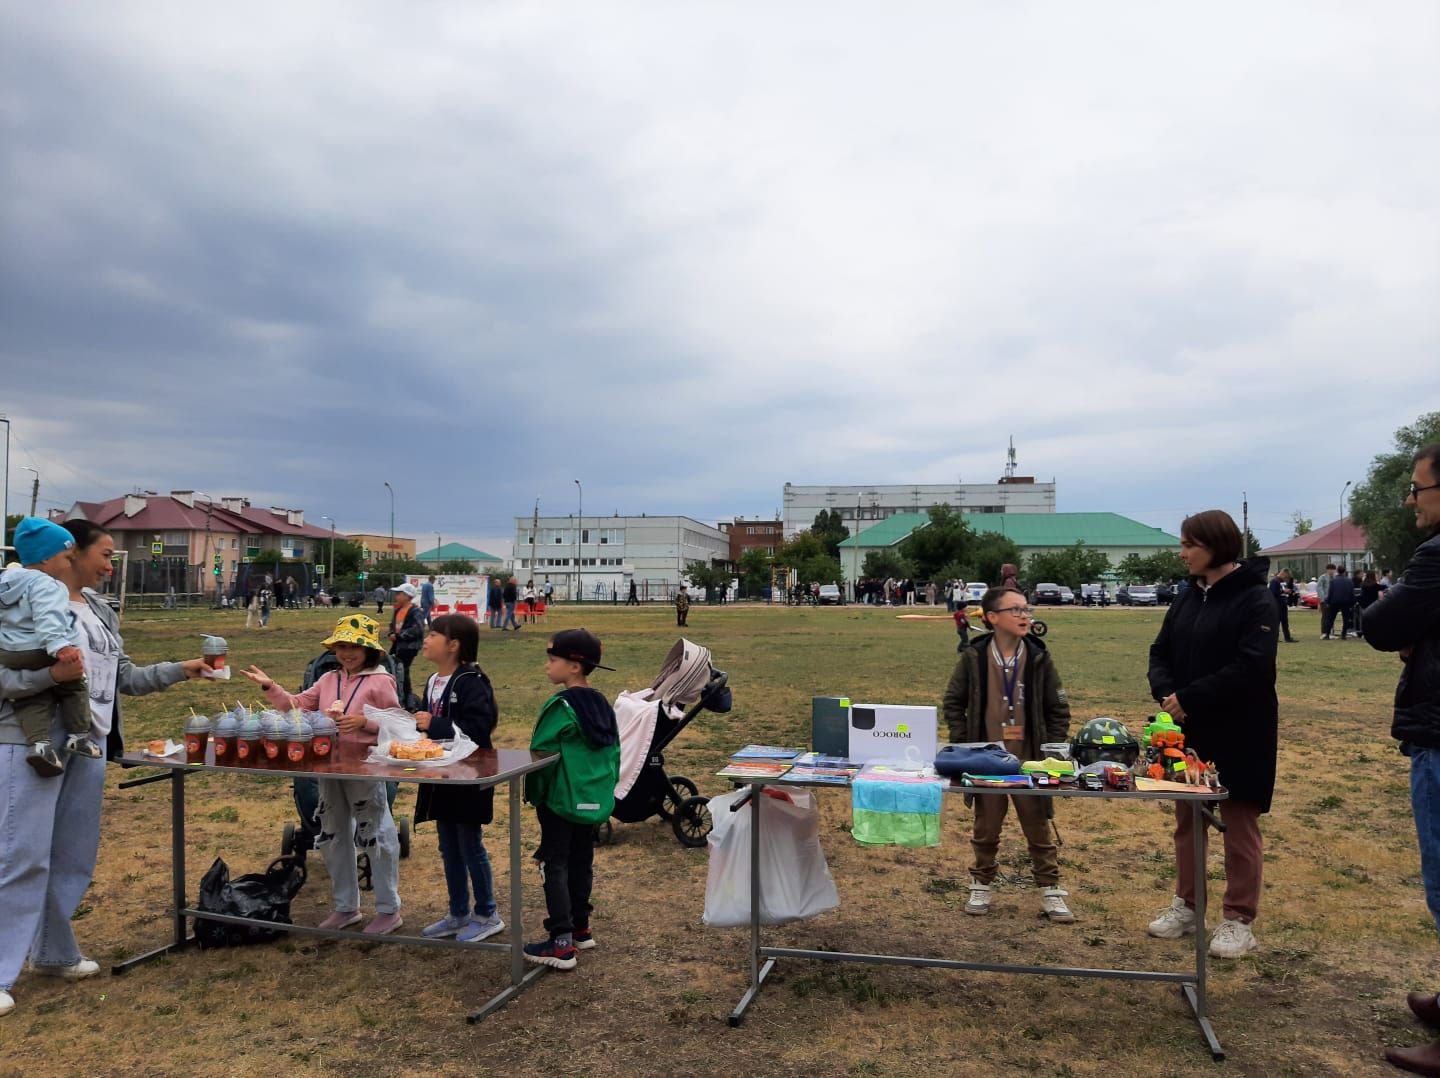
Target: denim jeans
{"x": 510, "y": 617}
{"x": 1425, "y": 804}
{"x": 358, "y": 808}
{"x": 494, "y": 617}
{"x": 467, "y": 868}
{"x": 49, "y": 839}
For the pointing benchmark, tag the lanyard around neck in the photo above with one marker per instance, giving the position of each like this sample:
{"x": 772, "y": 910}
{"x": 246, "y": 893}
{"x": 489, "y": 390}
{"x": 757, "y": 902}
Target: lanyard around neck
{"x": 1009, "y": 673}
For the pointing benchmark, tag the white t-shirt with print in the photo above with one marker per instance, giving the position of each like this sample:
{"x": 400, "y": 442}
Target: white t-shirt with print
{"x": 102, "y": 667}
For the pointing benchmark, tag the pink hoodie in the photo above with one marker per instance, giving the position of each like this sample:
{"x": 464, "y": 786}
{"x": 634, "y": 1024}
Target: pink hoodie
{"x": 373, "y": 686}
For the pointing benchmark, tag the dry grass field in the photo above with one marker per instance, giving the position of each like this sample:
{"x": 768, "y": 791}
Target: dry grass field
{"x": 1343, "y": 927}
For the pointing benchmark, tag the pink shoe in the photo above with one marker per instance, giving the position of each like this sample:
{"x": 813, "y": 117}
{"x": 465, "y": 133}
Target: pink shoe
{"x": 383, "y": 924}
{"x": 341, "y": 919}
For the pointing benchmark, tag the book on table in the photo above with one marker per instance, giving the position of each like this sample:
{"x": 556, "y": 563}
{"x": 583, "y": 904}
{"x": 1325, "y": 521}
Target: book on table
{"x": 765, "y": 752}
{"x": 754, "y": 769}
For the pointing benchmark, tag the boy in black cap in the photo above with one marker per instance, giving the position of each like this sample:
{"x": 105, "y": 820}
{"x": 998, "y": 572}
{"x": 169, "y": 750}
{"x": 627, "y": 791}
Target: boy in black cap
{"x": 572, "y": 796}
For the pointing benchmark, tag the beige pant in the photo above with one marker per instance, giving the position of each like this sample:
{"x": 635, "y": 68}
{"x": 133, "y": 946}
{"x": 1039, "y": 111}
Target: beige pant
{"x": 990, "y": 812}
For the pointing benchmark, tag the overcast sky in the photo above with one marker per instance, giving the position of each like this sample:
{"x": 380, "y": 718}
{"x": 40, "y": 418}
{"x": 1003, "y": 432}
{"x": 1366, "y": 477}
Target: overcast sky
{"x": 687, "y": 253}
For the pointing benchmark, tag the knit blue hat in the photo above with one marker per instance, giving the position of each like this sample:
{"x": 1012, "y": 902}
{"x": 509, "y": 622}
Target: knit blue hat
{"x": 37, "y": 540}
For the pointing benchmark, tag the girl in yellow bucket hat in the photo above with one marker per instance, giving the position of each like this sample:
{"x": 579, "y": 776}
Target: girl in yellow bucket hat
{"x": 352, "y": 806}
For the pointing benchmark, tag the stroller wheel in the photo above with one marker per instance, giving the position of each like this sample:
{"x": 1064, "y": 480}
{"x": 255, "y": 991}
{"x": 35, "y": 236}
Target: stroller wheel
{"x": 1038, "y": 628}
{"x": 604, "y": 833}
{"x": 692, "y": 821}
{"x": 669, "y": 803}
{"x": 402, "y": 828}
{"x": 287, "y": 840}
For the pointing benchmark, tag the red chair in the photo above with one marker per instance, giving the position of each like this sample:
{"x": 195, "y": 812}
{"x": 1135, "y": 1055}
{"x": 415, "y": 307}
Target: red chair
{"x": 468, "y": 609}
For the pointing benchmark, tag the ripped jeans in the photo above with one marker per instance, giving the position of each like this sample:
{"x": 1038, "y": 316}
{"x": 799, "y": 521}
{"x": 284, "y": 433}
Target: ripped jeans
{"x": 358, "y": 807}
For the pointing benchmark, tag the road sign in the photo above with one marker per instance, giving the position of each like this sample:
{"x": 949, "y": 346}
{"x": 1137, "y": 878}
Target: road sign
{"x": 320, "y": 570}
{"x": 157, "y": 548}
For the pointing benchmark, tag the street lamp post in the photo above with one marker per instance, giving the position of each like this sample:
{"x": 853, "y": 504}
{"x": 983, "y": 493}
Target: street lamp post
{"x": 205, "y": 552}
{"x": 1342, "y": 522}
{"x": 332, "y": 545}
{"x": 580, "y": 513}
{"x": 437, "y": 548}
{"x": 391, "y": 552}
{"x": 35, "y": 489}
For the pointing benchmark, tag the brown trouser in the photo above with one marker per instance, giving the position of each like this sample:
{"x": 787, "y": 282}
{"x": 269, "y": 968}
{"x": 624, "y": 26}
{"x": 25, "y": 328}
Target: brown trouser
{"x": 1243, "y": 857}
{"x": 1034, "y": 821}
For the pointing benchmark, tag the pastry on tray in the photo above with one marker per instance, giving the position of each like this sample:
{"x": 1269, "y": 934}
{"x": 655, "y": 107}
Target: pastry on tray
{"x": 424, "y": 749}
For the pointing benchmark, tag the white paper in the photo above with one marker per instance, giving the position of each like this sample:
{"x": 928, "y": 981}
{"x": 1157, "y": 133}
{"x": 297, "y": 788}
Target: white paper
{"x": 171, "y": 748}
{"x": 223, "y": 674}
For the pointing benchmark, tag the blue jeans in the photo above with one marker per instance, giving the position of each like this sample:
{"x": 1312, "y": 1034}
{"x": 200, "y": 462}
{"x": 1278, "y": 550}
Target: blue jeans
{"x": 467, "y": 867}
{"x": 510, "y": 617}
{"x": 49, "y": 838}
{"x": 1425, "y": 803}
{"x": 494, "y": 617}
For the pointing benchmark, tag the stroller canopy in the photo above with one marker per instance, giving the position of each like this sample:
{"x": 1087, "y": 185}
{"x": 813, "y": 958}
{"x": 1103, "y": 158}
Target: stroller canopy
{"x": 683, "y": 676}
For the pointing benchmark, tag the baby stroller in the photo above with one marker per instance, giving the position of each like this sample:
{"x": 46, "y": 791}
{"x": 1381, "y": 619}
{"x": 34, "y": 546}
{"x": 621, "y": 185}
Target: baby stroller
{"x": 649, "y": 720}
{"x": 299, "y": 838}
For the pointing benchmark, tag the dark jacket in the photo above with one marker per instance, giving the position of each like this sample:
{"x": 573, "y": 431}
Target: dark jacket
{"x": 1409, "y": 616}
{"x": 410, "y": 633}
{"x": 1342, "y": 591}
{"x": 1047, "y": 711}
{"x": 508, "y": 591}
{"x": 1216, "y": 652}
{"x": 1368, "y": 594}
{"x": 469, "y": 704}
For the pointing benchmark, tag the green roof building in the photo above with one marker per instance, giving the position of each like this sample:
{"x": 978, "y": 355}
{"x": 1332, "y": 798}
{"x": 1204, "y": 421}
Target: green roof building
{"x": 1110, "y": 533}
{"x": 457, "y": 552}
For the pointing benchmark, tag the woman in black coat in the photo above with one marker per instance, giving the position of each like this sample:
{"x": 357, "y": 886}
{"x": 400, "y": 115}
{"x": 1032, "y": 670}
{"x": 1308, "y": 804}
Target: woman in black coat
{"x": 458, "y": 697}
{"x": 1213, "y": 669}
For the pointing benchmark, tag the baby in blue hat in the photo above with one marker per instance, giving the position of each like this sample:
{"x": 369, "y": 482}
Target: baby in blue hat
{"x": 37, "y": 628}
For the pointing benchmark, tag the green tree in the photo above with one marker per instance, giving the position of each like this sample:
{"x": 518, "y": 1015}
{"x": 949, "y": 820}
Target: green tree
{"x": 348, "y": 558}
{"x": 945, "y": 539}
{"x": 1249, "y": 545}
{"x": 709, "y": 577}
{"x": 754, "y": 569}
{"x": 830, "y": 530}
{"x": 1162, "y": 567}
{"x": 1072, "y": 566}
{"x": 990, "y": 551}
{"x": 1302, "y": 524}
{"x": 880, "y": 564}
{"x": 455, "y": 567}
{"x": 1378, "y": 503}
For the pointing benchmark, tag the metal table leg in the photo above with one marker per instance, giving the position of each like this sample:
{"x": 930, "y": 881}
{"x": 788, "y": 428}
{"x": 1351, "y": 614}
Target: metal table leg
{"x": 519, "y": 978}
{"x": 1194, "y": 995}
{"x": 177, "y": 870}
{"x": 757, "y": 972}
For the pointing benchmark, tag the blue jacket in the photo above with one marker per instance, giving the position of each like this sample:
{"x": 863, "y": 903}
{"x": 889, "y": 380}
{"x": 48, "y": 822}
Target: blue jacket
{"x": 1409, "y": 617}
{"x": 1342, "y": 591}
{"x": 35, "y": 612}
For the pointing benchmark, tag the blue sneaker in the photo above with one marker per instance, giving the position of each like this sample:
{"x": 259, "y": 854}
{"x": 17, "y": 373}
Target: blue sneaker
{"x": 583, "y": 939}
{"x": 480, "y": 928}
{"x": 446, "y": 926}
{"x": 555, "y": 953}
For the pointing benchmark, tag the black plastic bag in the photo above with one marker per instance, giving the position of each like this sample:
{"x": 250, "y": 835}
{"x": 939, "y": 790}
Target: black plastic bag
{"x": 263, "y": 896}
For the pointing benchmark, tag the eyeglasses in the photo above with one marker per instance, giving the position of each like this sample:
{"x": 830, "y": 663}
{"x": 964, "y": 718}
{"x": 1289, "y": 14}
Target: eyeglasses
{"x": 1019, "y": 611}
{"x": 1414, "y": 490}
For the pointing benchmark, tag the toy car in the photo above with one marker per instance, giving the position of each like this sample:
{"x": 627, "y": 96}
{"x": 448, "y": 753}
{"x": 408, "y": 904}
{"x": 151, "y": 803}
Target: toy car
{"x": 1089, "y": 780}
{"x": 1117, "y": 778}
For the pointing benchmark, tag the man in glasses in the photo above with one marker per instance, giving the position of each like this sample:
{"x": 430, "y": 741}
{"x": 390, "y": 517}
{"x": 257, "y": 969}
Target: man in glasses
{"x": 1407, "y": 621}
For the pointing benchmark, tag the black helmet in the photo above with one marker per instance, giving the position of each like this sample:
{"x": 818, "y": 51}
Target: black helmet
{"x": 1104, "y": 739}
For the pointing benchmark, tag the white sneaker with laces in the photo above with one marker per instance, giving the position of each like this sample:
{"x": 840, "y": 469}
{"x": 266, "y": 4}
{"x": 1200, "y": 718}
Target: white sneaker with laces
{"x": 86, "y": 967}
{"x": 1176, "y": 921}
{"x": 1052, "y": 906}
{"x": 1233, "y": 939}
{"x": 7, "y": 1003}
{"x": 979, "y": 902}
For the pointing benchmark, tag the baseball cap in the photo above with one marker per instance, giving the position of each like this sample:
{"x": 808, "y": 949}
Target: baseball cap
{"x": 579, "y": 646}
{"x": 406, "y": 589}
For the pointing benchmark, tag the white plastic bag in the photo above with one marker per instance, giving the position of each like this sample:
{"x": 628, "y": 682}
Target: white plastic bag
{"x": 795, "y": 881}
{"x": 397, "y": 724}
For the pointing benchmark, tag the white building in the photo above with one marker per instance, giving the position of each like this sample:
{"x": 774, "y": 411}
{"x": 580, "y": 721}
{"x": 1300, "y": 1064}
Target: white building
{"x": 611, "y": 552}
{"x": 870, "y": 504}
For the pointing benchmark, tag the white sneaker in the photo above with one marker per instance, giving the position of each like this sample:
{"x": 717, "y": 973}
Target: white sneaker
{"x": 78, "y": 972}
{"x": 1233, "y": 939}
{"x": 7, "y": 1003}
{"x": 1176, "y": 921}
{"x": 979, "y": 902}
{"x": 1052, "y": 905}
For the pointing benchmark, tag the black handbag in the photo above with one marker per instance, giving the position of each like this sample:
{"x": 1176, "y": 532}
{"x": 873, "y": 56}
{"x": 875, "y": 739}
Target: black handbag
{"x": 262, "y": 896}
{"x": 988, "y": 759}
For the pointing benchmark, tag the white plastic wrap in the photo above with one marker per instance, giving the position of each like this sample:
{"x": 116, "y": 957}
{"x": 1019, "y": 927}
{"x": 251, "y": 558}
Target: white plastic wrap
{"x": 795, "y": 881}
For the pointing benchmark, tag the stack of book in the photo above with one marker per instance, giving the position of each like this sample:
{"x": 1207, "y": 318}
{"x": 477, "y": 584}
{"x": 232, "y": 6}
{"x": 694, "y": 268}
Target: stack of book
{"x": 759, "y": 761}
{"x": 818, "y": 768}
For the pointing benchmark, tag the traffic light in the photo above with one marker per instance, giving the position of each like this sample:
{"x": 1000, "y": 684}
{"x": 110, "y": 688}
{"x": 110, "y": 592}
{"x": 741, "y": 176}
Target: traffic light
{"x": 217, "y": 564}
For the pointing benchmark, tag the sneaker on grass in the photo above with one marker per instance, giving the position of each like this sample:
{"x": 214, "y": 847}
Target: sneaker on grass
{"x": 480, "y": 928}
{"x": 446, "y": 926}
{"x": 1052, "y": 906}
{"x": 1233, "y": 939}
{"x": 1176, "y": 921}
{"x": 555, "y": 953}
{"x": 583, "y": 939}
{"x": 978, "y": 904}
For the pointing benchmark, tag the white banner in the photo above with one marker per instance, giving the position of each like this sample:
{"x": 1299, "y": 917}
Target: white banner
{"x": 456, "y": 594}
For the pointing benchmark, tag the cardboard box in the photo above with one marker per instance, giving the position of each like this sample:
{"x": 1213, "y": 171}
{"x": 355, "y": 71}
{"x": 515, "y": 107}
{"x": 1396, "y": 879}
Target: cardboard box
{"x": 892, "y": 733}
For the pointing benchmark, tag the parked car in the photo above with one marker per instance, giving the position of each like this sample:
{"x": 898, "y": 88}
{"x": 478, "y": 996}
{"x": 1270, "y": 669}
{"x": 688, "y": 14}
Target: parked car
{"x": 973, "y": 592}
{"x": 1067, "y": 597}
{"x": 1046, "y": 595}
{"x": 1136, "y": 595}
{"x": 830, "y": 595}
{"x": 1094, "y": 595}
{"x": 1308, "y": 595}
